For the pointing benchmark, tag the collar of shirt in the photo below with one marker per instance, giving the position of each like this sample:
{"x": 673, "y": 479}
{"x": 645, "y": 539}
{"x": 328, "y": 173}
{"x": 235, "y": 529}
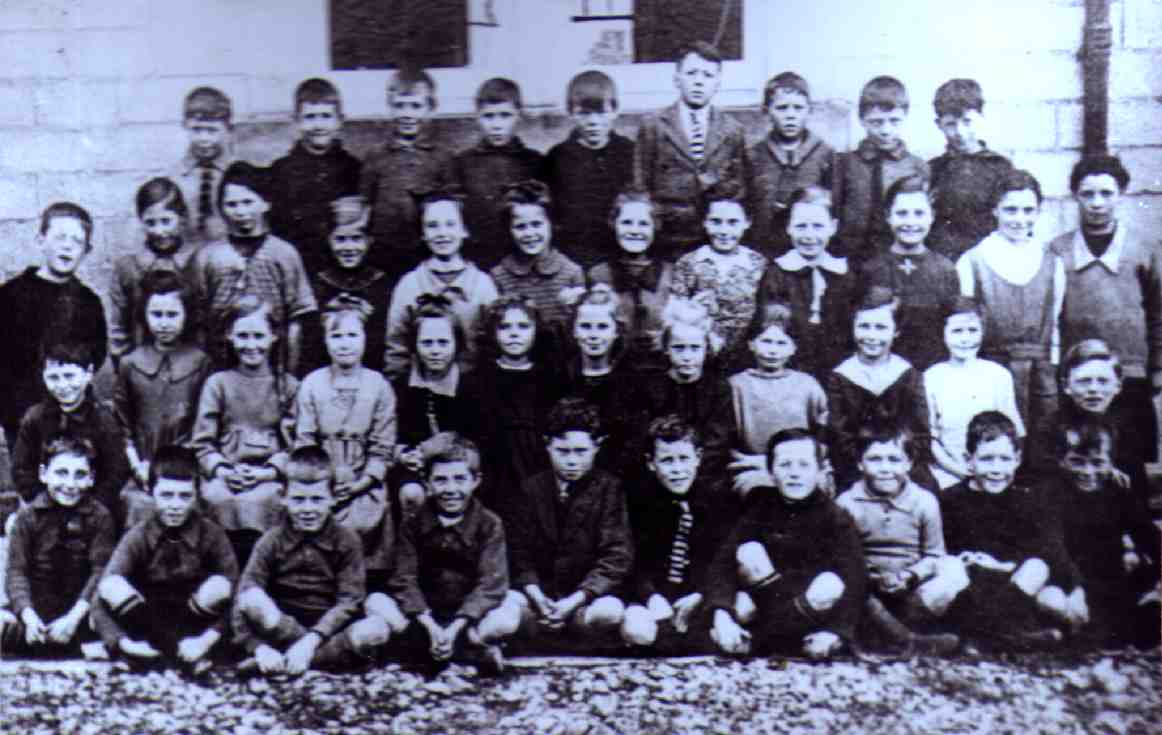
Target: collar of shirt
{"x": 793, "y": 156}
{"x": 869, "y": 151}
{"x": 424, "y": 140}
{"x": 792, "y": 261}
{"x": 81, "y": 415}
{"x": 875, "y": 379}
{"x": 429, "y": 521}
{"x": 327, "y": 539}
{"x": 183, "y": 361}
{"x": 905, "y": 501}
{"x": 219, "y": 164}
{"x": 686, "y": 113}
{"x": 445, "y": 386}
{"x": 190, "y": 533}
{"x": 546, "y": 264}
{"x": 1083, "y": 258}
{"x": 982, "y": 152}
{"x": 895, "y": 249}
{"x": 147, "y": 259}
{"x": 514, "y": 146}
{"x": 1017, "y": 264}
{"x": 359, "y": 279}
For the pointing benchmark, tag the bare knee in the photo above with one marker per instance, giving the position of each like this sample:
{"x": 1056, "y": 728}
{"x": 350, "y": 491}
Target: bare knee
{"x": 1031, "y": 576}
{"x": 744, "y": 608}
{"x": 385, "y": 608}
{"x": 411, "y": 498}
{"x": 824, "y": 592}
{"x": 754, "y": 564}
{"x": 1052, "y": 599}
{"x": 500, "y": 622}
{"x": 115, "y": 591}
{"x": 213, "y": 595}
{"x": 259, "y": 608}
{"x": 938, "y": 593}
{"x": 639, "y": 627}
{"x": 604, "y": 612}
{"x": 368, "y": 634}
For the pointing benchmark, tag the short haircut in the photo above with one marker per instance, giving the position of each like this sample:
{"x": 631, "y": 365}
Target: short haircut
{"x": 459, "y": 449}
{"x": 989, "y": 425}
{"x": 771, "y": 314}
{"x": 813, "y": 195}
{"x": 792, "y": 435}
{"x": 876, "y": 297}
{"x": 671, "y": 428}
{"x": 703, "y": 49}
{"x": 159, "y": 282}
{"x": 207, "y": 104}
{"x": 883, "y": 93}
{"x": 964, "y": 305}
{"x": 497, "y": 91}
{"x": 241, "y": 173}
{"x": 431, "y": 306}
{"x": 633, "y": 196}
{"x": 160, "y": 190}
{"x": 345, "y": 304}
{"x": 68, "y": 210}
{"x": 1087, "y": 434}
{"x": 529, "y": 191}
{"x": 788, "y": 81}
{"x": 407, "y": 81}
{"x": 1087, "y": 350}
{"x": 907, "y": 185}
{"x": 573, "y": 414}
{"x": 680, "y": 311}
{"x": 958, "y": 96}
{"x": 316, "y": 91}
{"x": 347, "y": 211}
{"x": 591, "y": 91}
{"x": 1016, "y": 180}
{"x": 309, "y": 463}
{"x": 724, "y": 191}
{"x": 67, "y": 443}
{"x": 1097, "y": 165}
{"x": 885, "y": 432}
{"x": 173, "y": 462}
{"x": 66, "y": 351}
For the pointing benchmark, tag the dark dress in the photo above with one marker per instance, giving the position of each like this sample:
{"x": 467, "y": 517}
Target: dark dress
{"x": 366, "y": 282}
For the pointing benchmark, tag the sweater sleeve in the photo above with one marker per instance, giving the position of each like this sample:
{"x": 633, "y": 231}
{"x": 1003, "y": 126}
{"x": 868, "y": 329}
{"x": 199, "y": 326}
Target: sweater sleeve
{"x": 306, "y": 415}
{"x": 257, "y": 574}
{"x": 100, "y": 549}
{"x": 122, "y": 564}
{"x": 848, "y": 564}
{"x": 404, "y": 585}
{"x": 121, "y": 315}
{"x": 208, "y": 425}
{"x": 17, "y": 583}
{"x": 1151, "y": 280}
{"x": 352, "y": 588}
{"x": 614, "y": 546}
{"x": 491, "y": 571}
{"x": 25, "y": 456}
{"x": 523, "y": 532}
{"x": 382, "y": 435}
{"x": 396, "y": 355}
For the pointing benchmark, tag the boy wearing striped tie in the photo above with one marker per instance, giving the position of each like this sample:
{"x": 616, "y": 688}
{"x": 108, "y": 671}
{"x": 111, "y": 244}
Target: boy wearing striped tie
{"x": 206, "y": 117}
{"x": 686, "y": 148}
{"x": 677, "y": 525}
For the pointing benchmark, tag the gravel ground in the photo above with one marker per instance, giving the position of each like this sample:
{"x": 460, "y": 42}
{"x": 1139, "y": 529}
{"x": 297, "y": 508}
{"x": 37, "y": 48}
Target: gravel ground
{"x": 1101, "y": 694}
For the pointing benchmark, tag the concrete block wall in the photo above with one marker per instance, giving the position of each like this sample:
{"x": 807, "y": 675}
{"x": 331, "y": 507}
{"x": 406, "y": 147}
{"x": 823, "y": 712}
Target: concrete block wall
{"x": 91, "y": 90}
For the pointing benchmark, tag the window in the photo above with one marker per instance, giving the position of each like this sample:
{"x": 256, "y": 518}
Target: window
{"x": 661, "y": 27}
{"x": 382, "y": 34}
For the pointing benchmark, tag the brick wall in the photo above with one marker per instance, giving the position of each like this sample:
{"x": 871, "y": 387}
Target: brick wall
{"x": 91, "y": 90}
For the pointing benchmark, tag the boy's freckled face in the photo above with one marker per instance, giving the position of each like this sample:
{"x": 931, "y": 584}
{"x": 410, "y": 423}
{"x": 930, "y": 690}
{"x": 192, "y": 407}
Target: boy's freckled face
{"x": 1097, "y": 197}
{"x": 318, "y": 124}
{"x": 788, "y": 112}
{"x": 994, "y": 464}
{"x": 725, "y": 223}
{"x": 795, "y": 468}
{"x": 175, "y": 500}
{"x": 1093, "y": 386}
{"x": 884, "y": 126}
{"x": 874, "y": 330}
{"x": 65, "y": 244}
{"x": 346, "y": 340}
{"x": 1016, "y": 215}
{"x": 308, "y": 504}
{"x": 530, "y": 228}
{"x": 572, "y": 454}
{"x": 451, "y": 485}
{"x": 349, "y": 245}
{"x": 961, "y": 131}
{"x": 962, "y": 335}
{"x": 687, "y": 351}
{"x": 675, "y": 464}
{"x": 207, "y": 138}
{"x": 697, "y": 80}
{"x": 497, "y": 122}
{"x": 634, "y": 227}
{"x": 910, "y": 218}
{"x": 516, "y": 333}
{"x": 594, "y": 122}
{"x": 772, "y": 349}
{"x": 1088, "y": 471}
{"x": 163, "y": 228}
{"x": 443, "y": 228}
{"x": 245, "y": 209}
{"x": 885, "y": 467}
{"x": 66, "y": 382}
{"x": 165, "y": 317}
{"x": 410, "y": 110}
{"x": 66, "y": 478}
{"x": 810, "y": 228}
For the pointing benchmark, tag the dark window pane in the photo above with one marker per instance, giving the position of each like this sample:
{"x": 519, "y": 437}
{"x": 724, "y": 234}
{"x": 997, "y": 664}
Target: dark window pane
{"x": 380, "y": 34}
{"x": 661, "y": 27}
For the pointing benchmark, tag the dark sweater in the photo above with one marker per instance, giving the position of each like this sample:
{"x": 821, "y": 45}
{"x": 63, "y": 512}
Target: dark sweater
{"x": 963, "y": 186}
{"x": 482, "y": 172}
{"x": 369, "y": 284}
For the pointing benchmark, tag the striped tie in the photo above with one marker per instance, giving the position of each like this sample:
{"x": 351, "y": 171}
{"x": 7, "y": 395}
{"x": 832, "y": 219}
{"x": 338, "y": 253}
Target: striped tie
{"x": 680, "y": 549}
{"x": 697, "y": 137}
{"x": 205, "y": 197}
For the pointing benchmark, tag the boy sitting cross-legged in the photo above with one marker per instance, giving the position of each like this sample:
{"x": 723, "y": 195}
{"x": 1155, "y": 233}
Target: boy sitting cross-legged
{"x": 305, "y": 584}
{"x": 911, "y": 577}
{"x": 167, "y": 589}
{"x": 792, "y": 570}
{"x": 1011, "y": 542}
{"x": 571, "y": 546}
{"x": 451, "y": 568}
{"x": 57, "y": 548}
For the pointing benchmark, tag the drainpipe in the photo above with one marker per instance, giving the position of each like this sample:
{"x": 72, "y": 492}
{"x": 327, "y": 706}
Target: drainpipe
{"x": 1095, "y": 65}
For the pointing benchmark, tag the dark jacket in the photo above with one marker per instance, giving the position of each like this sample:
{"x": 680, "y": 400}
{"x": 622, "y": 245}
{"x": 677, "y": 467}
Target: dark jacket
{"x": 455, "y": 571}
{"x": 368, "y": 283}
{"x": 590, "y": 549}
{"x": 482, "y": 172}
{"x": 818, "y": 347}
{"x": 772, "y": 176}
{"x": 964, "y": 187}
{"x": 859, "y": 180}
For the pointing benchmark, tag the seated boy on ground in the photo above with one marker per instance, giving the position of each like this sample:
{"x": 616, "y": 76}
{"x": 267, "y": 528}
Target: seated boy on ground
{"x": 57, "y": 550}
{"x": 167, "y": 588}
{"x": 790, "y": 577}
{"x": 305, "y": 583}
{"x": 451, "y": 568}
{"x": 910, "y": 574}
{"x": 571, "y": 546}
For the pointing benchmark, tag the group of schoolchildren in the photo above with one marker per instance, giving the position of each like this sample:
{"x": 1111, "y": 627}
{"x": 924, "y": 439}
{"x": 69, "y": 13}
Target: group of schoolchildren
{"x": 421, "y": 404}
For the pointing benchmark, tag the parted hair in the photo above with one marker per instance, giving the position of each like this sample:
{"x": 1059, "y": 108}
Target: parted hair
{"x": 459, "y": 449}
{"x": 989, "y": 425}
{"x": 316, "y": 91}
{"x": 883, "y": 93}
{"x": 160, "y": 190}
{"x": 173, "y": 462}
{"x": 573, "y": 414}
{"x": 160, "y": 282}
{"x": 671, "y": 428}
{"x": 1016, "y": 180}
{"x": 529, "y": 191}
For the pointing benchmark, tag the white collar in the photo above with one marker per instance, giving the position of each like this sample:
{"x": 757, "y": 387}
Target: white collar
{"x": 875, "y": 379}
{"x": 1017, "y": 264}
{"x": 793, "y": 261}
{"x": 1082, "y": 257}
